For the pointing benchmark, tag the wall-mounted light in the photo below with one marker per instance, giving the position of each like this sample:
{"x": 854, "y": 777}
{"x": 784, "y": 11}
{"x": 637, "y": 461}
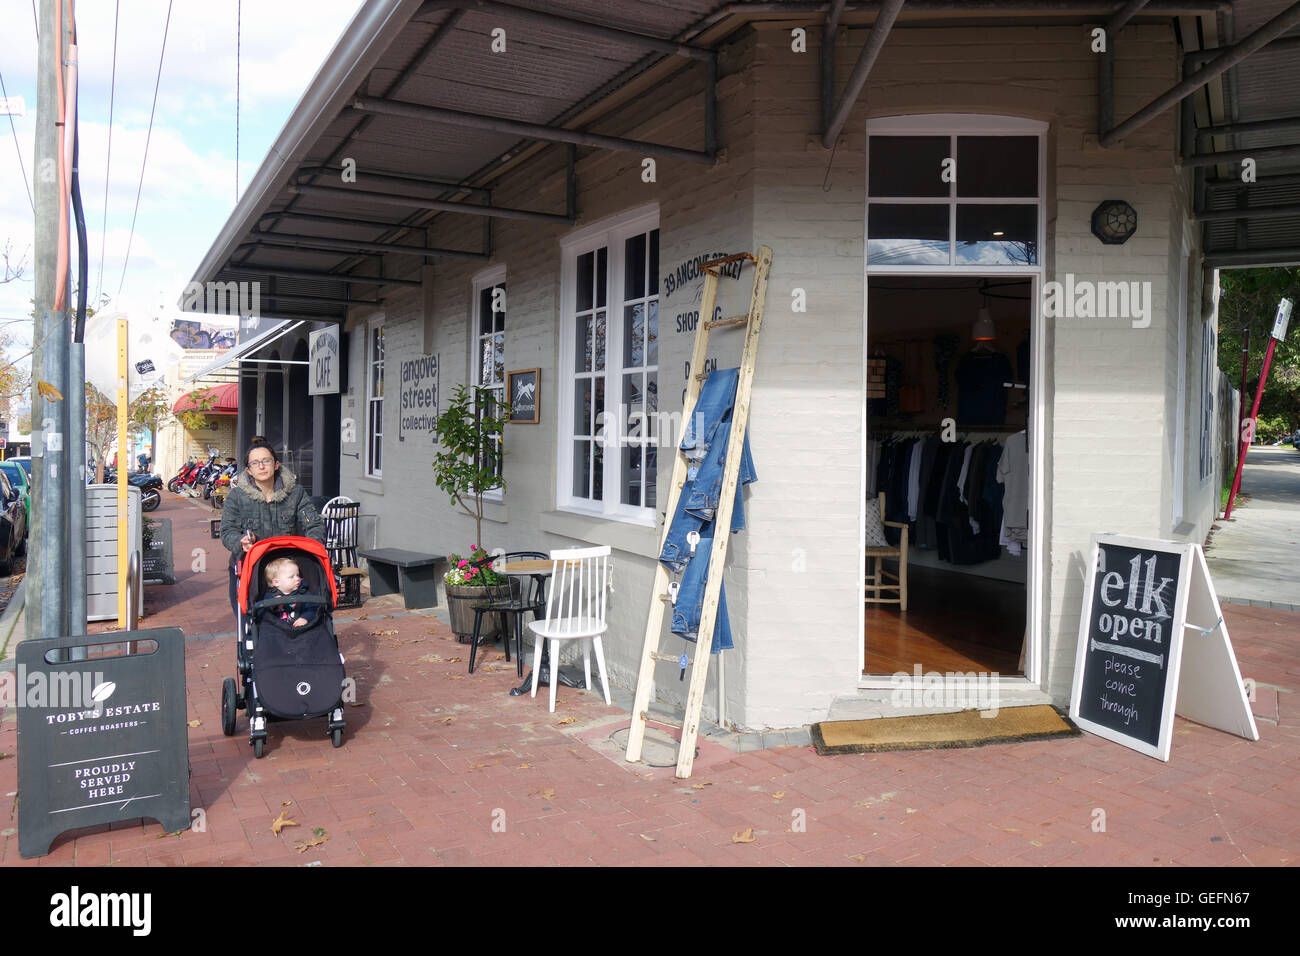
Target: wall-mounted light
{"x": 984, "y": 330}
{"x": 1114, "y": 222}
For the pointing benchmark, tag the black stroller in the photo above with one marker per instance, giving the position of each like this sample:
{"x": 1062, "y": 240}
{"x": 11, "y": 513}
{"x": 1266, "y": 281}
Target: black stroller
{"x": 285, "y": 672}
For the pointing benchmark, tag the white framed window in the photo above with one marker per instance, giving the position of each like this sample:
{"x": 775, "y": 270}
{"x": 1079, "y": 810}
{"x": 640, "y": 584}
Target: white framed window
{"x": 609, "y": 368}
{"x": 375, "y": 397}
{"x": 961, "y": 191}
{"x": 488, "y": 341}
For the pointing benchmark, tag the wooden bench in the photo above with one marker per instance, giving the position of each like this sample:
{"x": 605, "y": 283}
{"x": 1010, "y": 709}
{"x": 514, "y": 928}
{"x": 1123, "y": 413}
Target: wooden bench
{"x": 410, "y": 573}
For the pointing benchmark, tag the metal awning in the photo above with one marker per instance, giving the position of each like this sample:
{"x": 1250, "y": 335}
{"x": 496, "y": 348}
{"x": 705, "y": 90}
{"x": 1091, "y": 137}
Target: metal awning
{"x": 240, "y": 351}
{"x": 409, "y": 122}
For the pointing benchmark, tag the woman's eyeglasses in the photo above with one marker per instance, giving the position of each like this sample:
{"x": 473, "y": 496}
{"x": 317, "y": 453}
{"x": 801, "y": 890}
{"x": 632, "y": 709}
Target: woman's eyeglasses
{"x": 261, "y": 463}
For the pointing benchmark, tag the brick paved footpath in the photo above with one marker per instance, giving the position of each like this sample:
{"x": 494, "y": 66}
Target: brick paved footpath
{"x": 434, "y": 757}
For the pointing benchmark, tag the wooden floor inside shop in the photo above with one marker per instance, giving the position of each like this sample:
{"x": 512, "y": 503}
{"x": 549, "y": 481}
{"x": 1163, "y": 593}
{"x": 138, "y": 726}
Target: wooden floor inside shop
{"x": 953, "y": 622}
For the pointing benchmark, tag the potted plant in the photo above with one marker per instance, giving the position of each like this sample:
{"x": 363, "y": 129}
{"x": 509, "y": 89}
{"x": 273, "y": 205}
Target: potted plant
{"x": 469, "y": 433}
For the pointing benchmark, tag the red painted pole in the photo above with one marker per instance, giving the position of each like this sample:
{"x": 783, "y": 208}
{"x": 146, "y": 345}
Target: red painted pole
{"x": 1254, "y": 410}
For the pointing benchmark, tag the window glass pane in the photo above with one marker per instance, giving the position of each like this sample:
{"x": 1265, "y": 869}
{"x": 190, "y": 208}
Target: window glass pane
{"x": 633, "y": 335}
{"x": 634, "y": 267}
{"x": 499, "y": 316}
{"x": 485, "y": 361}
{"x": 597, "y": 472}
{"x": 997, "y": 235}
{"x": 654, "y": 262}
{"x": 907, "y": 235}
{"x": 602, "y": 283}
{"x": 632, "y": 476}
{"x": 582, "y": 407}
{"x": 650, "y": 469}
{"x": 598, "y": 341}
{"x": 995, "y": 166}
{"x": 908, "y": 166}
{"x": 484, "y": 311}
{"x": 652, "y": 333}
{"x": 582, "y": 358}
{"x": 581, "y": 469}
{"x": 585, "y": 277}
{"x": 498, "y": 358}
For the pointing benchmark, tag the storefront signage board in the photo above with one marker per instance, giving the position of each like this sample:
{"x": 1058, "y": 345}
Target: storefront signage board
{"x": 418, "y": 396}
{"x": 1152, "y": 643}
{"x": 323, "y": 352}
{"x": 102, "y": 739}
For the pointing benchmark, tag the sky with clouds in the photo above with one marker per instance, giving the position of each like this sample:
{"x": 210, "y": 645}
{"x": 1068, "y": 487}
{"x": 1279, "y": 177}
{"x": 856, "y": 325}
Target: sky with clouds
{"x": 189, "y": 186}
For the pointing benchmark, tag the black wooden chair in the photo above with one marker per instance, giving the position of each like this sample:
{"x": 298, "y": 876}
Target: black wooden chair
{"x": 525, "y": 596}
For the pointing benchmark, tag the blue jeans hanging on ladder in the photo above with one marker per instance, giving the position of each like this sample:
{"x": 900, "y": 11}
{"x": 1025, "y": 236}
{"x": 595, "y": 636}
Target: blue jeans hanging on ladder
{"x": 705, "y": 440}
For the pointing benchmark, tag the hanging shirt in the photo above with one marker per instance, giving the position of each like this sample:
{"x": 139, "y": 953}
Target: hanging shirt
{"x": 981, "y": 397}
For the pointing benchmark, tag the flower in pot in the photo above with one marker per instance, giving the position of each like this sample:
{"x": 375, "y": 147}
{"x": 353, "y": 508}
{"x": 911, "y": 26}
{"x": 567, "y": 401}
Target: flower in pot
{"x": 466, "y": 466}
{"x": 470, "y": 581}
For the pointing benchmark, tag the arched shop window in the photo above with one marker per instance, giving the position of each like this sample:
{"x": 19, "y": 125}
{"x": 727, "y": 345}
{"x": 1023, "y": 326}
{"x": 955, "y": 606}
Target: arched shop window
{"x": 961, "y": 191}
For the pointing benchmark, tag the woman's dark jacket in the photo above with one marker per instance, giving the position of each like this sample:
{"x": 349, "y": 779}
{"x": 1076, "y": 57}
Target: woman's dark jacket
{"x": 289, "y": 511}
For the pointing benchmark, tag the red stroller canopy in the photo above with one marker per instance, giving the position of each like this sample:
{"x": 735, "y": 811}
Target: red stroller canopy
{"x": 285, "y": 542}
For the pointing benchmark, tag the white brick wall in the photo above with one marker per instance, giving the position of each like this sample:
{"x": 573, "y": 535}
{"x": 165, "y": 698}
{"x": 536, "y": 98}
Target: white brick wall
{"x": 1106, "y": 383}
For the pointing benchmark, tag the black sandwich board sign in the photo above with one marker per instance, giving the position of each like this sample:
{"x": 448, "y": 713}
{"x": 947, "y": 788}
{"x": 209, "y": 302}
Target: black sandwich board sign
{"x": 157, "y": 566}
{"x": 1152, "y": 643}
{"x": 101, "y": 738}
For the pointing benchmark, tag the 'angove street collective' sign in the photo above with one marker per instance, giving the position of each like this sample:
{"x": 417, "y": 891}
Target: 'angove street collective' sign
{"x": 1139, "y": 658}
{"x": 103, "y": 739}
{"x": 419, "y": 396}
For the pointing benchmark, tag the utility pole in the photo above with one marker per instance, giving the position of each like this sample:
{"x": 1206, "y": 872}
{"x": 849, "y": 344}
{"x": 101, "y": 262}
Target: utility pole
{"x": 46, "y": 611}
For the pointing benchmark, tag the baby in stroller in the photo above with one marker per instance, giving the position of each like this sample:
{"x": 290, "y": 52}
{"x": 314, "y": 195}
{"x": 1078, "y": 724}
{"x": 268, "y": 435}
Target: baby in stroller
{"x": 284, "y": 580}
{"x": 287, "y": 653}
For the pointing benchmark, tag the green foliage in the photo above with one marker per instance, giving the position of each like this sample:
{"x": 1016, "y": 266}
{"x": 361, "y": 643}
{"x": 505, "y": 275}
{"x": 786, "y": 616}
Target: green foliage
{"x": 1248, "y": 300}
{"x": 469, "y": 433}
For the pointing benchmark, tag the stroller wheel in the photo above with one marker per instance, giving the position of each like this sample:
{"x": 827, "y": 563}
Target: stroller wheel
{"x": 259, "y": 747}
{"x": 336, "y": 736}
{"x": 229, "y": 704}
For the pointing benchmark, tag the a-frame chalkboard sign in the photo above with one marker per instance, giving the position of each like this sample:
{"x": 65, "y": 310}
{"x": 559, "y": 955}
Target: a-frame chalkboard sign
{"x": 1152, "y": 643}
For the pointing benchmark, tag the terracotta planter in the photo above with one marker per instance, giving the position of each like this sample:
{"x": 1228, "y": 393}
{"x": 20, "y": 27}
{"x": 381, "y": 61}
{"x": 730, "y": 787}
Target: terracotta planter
{"x": 460, "y": 607}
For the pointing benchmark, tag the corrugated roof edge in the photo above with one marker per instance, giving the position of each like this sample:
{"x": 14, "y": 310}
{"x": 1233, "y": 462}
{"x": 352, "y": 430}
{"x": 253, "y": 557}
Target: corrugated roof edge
{"x": 357, "y": 51}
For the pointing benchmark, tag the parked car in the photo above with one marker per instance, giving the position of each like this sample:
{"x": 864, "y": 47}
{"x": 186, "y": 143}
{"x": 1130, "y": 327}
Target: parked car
{"x": 17, "y": 476}
{"x": 13, "y": 526}
{"x": 26, "y": 462}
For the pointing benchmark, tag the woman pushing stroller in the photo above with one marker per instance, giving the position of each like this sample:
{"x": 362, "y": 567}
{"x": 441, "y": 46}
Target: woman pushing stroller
{"x": 264, "y": 502}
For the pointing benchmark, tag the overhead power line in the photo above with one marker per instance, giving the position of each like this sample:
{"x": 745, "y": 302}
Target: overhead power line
{"x": 17, "y": 146}
{"x": 108, "y": 163}
{"x": 148, "y": 136}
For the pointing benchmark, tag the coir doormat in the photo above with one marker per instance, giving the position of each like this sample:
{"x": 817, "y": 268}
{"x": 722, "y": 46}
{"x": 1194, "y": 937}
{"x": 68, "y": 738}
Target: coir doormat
{"x": 934, "y": 731}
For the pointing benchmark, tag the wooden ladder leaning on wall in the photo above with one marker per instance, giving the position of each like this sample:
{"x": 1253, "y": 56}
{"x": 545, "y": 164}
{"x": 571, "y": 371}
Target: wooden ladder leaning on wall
{"x": 659, "y": 595}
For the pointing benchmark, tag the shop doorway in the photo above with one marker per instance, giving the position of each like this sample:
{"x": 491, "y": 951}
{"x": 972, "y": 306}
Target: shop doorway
{"x": 948, "y": 421}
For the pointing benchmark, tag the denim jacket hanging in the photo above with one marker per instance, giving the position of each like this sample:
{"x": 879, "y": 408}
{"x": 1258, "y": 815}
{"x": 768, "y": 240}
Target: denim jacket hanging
{"x": 704, "y": 442}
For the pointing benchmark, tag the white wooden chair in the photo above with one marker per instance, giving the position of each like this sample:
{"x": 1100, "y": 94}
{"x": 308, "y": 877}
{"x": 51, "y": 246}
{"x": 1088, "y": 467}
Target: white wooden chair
{"x": 878, "y": 587}
{"x": 341, "y": 515}
{"x": 575, "y": 608}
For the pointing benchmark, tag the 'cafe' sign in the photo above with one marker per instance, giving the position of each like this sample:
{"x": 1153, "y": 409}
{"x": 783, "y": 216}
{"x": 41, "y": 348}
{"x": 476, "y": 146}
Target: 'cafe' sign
{"x": 323, "y": 350}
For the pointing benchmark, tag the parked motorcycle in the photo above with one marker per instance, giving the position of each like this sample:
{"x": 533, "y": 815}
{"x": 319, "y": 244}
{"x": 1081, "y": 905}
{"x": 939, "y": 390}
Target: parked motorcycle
{"x": 150, "y": 486}
{"x": 187, "y": 469}
{"x": 220, "y": 478}
{"x": 194, "y": 482}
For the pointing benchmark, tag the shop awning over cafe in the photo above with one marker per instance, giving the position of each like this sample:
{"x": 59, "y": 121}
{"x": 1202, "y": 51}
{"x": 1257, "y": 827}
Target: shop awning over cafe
{"x": 218, "y": 400}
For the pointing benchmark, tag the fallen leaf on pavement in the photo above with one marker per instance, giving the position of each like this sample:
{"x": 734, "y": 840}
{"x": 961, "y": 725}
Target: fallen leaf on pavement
{"x": 282, "y": 821}
{"x": 524, "y": 766}
{"x": 744, "y": 836}
{"x": 700, "y": 786}
{"x": 454, "y": 676}
{"x": 779, "y": 795}
{"x": 195, "y": 723}
{"x": 319, "y": 836}
{"x": 449, "y": 720}
{"x": 567, "y": 720}
{"x": 860, "y": 858}
{"x": 548, "y": 793}
{"x": 646, "y": 838}
{"x": 438, "y": 659}
{"x": 287, "y": 803}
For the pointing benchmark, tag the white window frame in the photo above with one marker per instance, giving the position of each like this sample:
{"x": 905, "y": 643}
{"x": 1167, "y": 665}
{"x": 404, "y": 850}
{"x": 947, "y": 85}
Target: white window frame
{"x": 376, "y": 322}
{"x": 611, "y": 234}
{"x": 955, "y": 125}
{"x": 489, "y": 278}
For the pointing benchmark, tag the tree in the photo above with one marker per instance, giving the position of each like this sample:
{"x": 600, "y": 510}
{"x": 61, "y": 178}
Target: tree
{"x": 1248, "y": 300}
{"x": 148, "y": 411}
{"x": 469, "y": 438}
{"x": 15, "y": 379}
